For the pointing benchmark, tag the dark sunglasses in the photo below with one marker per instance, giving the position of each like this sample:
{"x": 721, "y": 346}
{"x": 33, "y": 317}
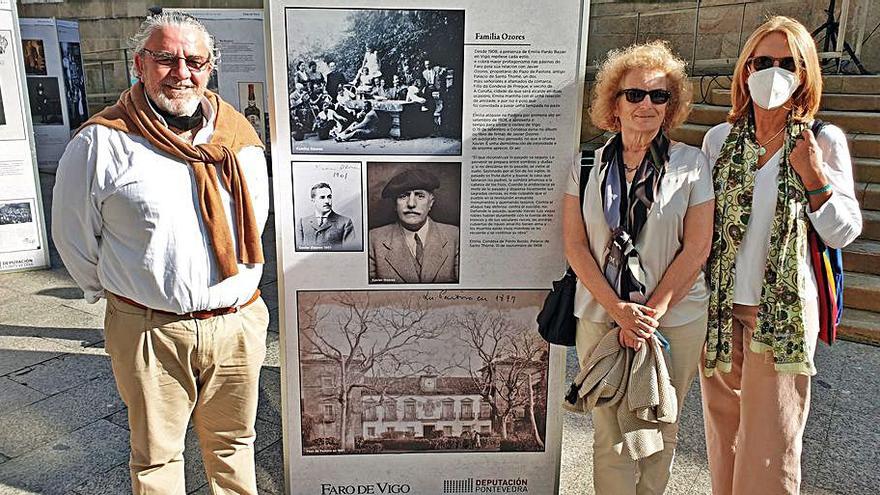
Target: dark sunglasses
{"x": 765, "y": 62}
{"x": 635, "y": 95}
{"x": 165, "y": 59}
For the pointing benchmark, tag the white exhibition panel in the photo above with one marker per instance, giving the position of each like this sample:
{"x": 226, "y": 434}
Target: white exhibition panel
{"x": 23, "y": 241}
{"x": 241, "y": 73}
{"x": 45, "y": 82}
{"x": 434, "y": 383}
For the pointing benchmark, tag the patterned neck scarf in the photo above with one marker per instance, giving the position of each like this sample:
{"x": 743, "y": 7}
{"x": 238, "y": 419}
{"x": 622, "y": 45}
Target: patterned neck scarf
{"x": 626, "y": 213}
{"x": 780, "y": 323}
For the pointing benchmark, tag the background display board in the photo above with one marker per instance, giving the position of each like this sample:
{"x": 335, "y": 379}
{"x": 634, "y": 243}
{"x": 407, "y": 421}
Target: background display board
{"x": 419, "y": 156}
{"x": 55, "y": 82}
{"x": 240, "y": 78}
{"x": 22, "y": 228}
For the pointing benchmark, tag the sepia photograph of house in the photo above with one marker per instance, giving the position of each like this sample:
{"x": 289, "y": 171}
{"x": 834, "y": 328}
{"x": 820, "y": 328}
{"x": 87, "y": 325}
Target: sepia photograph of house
{"x": 422, "y": 371}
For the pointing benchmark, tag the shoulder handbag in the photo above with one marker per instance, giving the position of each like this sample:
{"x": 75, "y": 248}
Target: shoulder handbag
{"x": 556, "y": 321}
{"x": 828, "y": 269}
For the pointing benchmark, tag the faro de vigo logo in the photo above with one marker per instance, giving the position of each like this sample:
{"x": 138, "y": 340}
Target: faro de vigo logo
{"x": 378, "y": 488}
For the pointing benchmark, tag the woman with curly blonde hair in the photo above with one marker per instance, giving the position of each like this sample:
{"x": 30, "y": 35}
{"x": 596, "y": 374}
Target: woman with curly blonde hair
{"x": 776, "y": 183}
{"x": 637, "y": 245}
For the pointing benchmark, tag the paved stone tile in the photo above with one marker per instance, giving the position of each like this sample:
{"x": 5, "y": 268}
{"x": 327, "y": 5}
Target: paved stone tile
{"x": 119, "y": 418}
{"x": 67, "y": 460}
{"x": 269, "y": 406}
{"x": 269, "y": 291}
{"x": 114, "y": 481}
{"x": 28, "y": 428}
{"x": 17, "y": 352}
{"x": 66, "y": 326}
{"x": 273, "y": 353}
{"x": 63, "y": 372}
{"x": 36, "y": 280}
{"x": 202, "y": 490}
{"x": 96, "y": 309}
{"x": 270, "y": 469}
{"x": 852, "y": 443}
{"x": 14, "y": 395}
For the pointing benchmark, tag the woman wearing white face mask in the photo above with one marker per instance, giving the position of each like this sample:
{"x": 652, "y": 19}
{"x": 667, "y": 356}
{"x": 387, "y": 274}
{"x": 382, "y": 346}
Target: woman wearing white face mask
{"x": 773, "y": 181}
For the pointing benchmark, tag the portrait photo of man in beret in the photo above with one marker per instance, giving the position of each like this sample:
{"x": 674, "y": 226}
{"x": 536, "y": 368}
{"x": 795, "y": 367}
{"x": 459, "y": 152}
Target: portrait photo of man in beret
{"x": 416, "y": 247}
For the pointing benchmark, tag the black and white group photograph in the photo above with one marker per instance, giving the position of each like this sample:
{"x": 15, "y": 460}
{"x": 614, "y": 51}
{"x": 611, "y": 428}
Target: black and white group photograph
{"x": 75, "y": 83}
{"x": 34, "y": 57}
{"x": 375, "y": 81}
{"x": 15, "y": 213}
{"x": 402, "y": 372}
{"x": 45, "y": 100}
{"x": 327, "y": 199}
{"x": 413, "y": 216}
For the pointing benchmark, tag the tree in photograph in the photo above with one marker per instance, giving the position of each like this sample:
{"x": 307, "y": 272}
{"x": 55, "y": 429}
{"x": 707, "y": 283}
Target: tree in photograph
{"x": 401, "y": 37}
{"x": 510, "y": 363}
{"x": 362, "y": 337}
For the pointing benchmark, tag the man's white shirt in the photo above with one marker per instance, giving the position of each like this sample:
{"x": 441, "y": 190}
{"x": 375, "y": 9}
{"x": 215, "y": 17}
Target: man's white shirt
{"x": 126, "y": 219}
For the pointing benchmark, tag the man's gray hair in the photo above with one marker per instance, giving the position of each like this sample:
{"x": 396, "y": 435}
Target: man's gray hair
{"x": 169, "y": 18}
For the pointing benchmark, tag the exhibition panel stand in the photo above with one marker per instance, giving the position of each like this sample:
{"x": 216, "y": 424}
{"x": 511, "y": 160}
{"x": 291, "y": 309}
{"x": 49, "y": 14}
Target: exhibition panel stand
{"x": 23, "y": 242}
{"x": 419, "y": 155}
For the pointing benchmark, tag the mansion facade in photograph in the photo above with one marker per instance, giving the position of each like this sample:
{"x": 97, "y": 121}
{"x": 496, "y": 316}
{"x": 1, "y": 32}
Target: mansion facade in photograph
{"x": 425, "y": 406}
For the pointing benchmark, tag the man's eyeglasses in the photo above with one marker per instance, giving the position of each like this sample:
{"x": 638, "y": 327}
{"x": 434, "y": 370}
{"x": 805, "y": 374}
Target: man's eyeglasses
{"x": 165, "y": 59}
{"x": 765, "y": 62}
{"x": 636, "y": 95}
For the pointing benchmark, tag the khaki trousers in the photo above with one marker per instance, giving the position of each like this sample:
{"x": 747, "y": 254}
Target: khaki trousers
{"x": 614, "y": 473}
{"x": 755, "y": 416}
{"x": 169, "y": 369}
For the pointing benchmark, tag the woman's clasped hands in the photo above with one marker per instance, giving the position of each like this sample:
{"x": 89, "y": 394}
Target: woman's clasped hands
{"x": 637, "y": 323}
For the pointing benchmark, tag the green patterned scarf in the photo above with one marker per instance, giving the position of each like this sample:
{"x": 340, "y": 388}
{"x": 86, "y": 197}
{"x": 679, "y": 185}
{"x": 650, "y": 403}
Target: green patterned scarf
{"x": 780, "y": 323}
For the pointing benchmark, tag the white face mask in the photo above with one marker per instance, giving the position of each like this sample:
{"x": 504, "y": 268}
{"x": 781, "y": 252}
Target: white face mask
{"x": 772, "y": 87}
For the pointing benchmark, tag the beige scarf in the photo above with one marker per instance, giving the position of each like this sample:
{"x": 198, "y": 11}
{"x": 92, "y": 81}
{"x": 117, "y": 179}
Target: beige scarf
{"x": 232, "y": 132}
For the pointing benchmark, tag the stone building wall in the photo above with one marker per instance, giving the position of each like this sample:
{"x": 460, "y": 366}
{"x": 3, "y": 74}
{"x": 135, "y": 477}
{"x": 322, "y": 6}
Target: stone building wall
{"x": 723, "y": 25}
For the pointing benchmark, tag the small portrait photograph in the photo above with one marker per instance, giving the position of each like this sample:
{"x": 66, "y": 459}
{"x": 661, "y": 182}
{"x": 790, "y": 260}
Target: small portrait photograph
{"x": 436, "y": 371}
{"x": 327, "y": 199}
{"x": 45, "y": 100}
{"x": 250, "y": 103}
{"x": 375, "y": 81}
{"x": 75, "y": 83}
{"x": 34, "y": 57}
{"x": 413, "y": 216}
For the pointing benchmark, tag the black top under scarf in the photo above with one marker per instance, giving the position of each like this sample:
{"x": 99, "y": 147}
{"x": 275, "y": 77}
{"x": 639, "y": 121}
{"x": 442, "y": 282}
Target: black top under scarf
{"x": 182, "y": 122}
{"x": 626, "y": 214}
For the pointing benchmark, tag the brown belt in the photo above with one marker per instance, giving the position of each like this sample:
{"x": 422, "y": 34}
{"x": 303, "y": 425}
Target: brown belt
{"x": 202, "y": 314}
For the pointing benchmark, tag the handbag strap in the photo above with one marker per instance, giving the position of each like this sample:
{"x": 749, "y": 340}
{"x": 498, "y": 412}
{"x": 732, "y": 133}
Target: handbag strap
{"x": 585, "y": 176}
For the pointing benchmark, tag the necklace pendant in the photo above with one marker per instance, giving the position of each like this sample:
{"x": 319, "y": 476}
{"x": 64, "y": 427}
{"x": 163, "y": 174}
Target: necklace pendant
{"x": 762, "y": 151}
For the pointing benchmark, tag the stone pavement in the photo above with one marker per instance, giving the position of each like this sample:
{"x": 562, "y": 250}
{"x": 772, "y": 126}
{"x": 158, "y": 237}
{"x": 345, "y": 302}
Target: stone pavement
{"x": 63, "y": 428}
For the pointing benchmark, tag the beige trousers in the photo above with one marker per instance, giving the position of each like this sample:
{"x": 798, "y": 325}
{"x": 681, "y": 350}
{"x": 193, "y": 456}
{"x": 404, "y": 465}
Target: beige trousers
{"x": 755, "y": 416}
{"x": 614, "y": 473}
{"x": 169, "y": 369}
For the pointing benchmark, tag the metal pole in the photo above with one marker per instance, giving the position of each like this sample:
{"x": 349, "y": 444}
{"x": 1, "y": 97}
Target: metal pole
{"x": 638, "y": 26}
{"x": 125, "y": 69}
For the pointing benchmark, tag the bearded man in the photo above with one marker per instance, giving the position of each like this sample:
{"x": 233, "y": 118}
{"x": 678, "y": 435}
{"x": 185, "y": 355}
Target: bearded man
{"x": 159, "y": 204}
